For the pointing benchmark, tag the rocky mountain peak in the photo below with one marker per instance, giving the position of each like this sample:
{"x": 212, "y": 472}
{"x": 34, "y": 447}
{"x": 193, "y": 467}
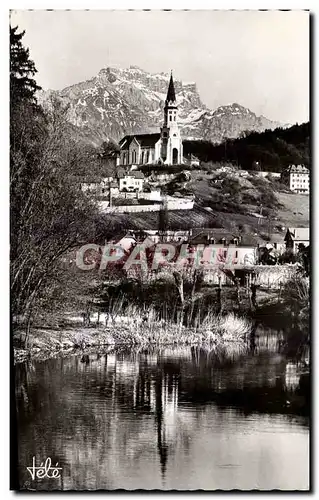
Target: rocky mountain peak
{"x": 121, "y": 101}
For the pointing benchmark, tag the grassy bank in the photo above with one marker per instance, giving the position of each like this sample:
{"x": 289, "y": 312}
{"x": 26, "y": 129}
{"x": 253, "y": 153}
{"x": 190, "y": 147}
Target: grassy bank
{"x": 47, "y": 342}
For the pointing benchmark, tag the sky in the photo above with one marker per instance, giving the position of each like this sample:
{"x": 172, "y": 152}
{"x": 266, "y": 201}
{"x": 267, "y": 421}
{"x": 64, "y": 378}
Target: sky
{"x": 259, "y": 59}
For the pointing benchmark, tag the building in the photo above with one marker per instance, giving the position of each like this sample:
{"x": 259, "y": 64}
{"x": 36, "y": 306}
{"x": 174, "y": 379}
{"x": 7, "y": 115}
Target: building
{"x": 296, "y": 236}
{"x": 224, "y": 247}
{"x": 165, "y": 147}
{"x": 298, "y": 178}
{"x": 130, "y": 181}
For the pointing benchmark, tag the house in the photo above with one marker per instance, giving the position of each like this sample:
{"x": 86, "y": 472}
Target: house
{"x": 296, "y": 236}
{"x": 130, "y": 181}
{"x": 298, "y": 178}
{"x": 164, "y": 147}
{"x": 224, "y": 247}
{"x": 209, "y": 236}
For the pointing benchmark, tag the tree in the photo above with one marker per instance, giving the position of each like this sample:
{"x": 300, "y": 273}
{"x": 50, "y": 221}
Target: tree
{"x": 49, "y": 214}
{"x": 22, "y": 69}
{"x": 109, "y": 149}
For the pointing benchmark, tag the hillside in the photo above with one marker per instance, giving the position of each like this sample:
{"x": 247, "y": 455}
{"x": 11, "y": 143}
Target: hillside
{"x": 272, "y": 149}
{"x": 224, "y": 200}
{"x": 122, "y": 101}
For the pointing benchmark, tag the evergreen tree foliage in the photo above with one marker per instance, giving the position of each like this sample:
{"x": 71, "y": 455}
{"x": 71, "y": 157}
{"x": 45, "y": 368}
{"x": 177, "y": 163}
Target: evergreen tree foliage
{"x": 274, "y": 150}
{"x": 49, "y": 213}
{"x": 22, "y": 69}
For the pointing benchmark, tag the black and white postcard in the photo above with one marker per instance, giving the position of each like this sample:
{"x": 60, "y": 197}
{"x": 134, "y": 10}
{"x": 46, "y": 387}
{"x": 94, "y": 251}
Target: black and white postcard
{"x": 160, "y": 250}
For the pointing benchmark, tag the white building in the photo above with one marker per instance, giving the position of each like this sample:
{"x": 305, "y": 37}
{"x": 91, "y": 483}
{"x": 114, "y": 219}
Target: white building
{"x": 130, "y": 181}
{"x": 299, "y": 179}
{"x": 164, "y": 147}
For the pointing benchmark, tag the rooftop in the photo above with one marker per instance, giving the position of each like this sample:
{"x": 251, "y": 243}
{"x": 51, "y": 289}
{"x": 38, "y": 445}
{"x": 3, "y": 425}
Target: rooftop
{"x": 299, "y": 169}
{"x": 135, "y": 174}
{"x": 145, "y": 140}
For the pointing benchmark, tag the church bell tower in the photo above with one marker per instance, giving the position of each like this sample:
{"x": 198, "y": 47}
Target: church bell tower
{"x": 171, "y": 143}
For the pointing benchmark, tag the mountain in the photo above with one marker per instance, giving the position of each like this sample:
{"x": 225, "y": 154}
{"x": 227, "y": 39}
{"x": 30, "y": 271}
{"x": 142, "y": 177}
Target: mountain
{"x": 123, "y": 101}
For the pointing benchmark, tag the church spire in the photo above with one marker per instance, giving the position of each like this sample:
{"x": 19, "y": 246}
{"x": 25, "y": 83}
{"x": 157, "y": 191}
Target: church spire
{"x": 171, "y": 90}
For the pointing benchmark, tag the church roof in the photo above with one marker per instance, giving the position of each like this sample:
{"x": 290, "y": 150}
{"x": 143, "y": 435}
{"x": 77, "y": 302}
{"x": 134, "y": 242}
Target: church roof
{"x": 171, "y": 91}
{"x": 145, "y": 140}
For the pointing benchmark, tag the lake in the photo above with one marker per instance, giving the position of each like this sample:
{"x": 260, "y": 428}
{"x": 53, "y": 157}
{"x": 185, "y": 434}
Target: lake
{"x": 173, "y": 418}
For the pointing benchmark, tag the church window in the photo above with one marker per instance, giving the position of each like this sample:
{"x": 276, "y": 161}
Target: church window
{"x": 170, "y": 118}
{"x": 147, "y": 156}
{"x": 142, "y": 160}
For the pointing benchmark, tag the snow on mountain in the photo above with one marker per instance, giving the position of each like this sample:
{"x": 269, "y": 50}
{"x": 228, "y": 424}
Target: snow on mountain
{"x": 122, "y": 101}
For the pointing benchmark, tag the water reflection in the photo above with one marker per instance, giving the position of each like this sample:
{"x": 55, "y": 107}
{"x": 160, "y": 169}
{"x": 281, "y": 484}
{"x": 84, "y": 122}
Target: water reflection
{"x": 175, "y": 418}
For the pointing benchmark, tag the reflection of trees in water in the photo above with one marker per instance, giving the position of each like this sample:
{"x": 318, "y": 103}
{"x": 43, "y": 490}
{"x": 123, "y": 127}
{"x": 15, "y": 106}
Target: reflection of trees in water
{"x": 83, "y": 413}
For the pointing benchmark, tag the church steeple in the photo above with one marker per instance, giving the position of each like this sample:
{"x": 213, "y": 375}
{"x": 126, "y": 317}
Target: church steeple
{"x": 171, "y": 91}
{"x": 171, "y": 142}
{"x": 170, "y": 107}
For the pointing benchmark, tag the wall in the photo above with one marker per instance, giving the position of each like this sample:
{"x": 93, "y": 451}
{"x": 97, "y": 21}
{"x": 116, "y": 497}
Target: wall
{"x": 131, "y": 208}
{"x": 178, "y": 204}
{"x": 141, "y": 195}
{"x": 153, "y": 195}
{"x": 265, "y": 174}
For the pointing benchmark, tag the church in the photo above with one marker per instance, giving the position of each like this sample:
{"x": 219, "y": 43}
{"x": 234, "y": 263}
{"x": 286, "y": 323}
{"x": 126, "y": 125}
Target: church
{"x": 165, "y": 147}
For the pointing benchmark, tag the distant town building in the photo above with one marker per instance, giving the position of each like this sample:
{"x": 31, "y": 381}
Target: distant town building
{"x": 165, "y": 147}
{"x": 297, "y": 177}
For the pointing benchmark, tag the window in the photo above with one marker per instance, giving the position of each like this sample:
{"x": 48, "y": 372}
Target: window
{"x": 170, "y": 118}
{"x": 174, "y": 118}
{"x": 236, "y": 254}
{"x": 124, "y": 182}
{"x": 225, "y": 254}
